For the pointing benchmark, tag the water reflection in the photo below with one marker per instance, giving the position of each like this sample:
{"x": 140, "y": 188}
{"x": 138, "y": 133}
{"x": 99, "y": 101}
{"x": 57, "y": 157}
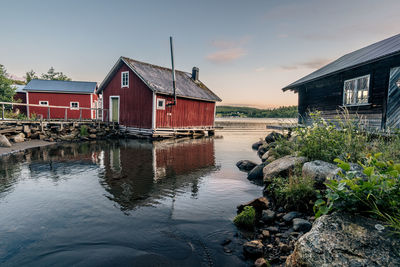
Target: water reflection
{"x": 134, "y": 173}
{"x": 140, "y": 173}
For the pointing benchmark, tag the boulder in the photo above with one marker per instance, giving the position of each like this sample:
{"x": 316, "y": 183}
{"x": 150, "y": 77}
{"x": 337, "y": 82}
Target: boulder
{"x": 259, "y": 204}
{"x": 272, "y": 137}
{"x": 265, "y": 156}
{"x": 92, "y": 136}
{"x": 18, "y": 138}
{"x": 288, "y": 217}
{"x": 261, "y": 262}
{"x": 4, "y": 141}
{"x": 257, "y": 172}
{"x": 256, "y": 145}
{"x": 281, "y": 167}
{"x": 67, "y": 137}
{"x": 301, "y": 225}
{"x": 319, "y": 170}
{"x": 342, "y": 239}
{"x": 26, "y": 129}
{"x": 268, "y": 216}
{"x": 262, "y": 150}
{"x": 253, "y": 249}
{"x": 245, "y": 165}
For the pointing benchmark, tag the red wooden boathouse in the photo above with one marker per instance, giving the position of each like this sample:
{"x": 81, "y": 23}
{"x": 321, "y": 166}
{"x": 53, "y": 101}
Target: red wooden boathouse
{"x": 139, "y": 97}
{"x": 71, "y": 94}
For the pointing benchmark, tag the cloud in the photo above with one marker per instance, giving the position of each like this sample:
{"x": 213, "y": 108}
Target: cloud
{"x": 260, "y": 69}
{"x": 228, "y": 50}
{"x": 311, "y": 64}
{"x": 226, "y": 55}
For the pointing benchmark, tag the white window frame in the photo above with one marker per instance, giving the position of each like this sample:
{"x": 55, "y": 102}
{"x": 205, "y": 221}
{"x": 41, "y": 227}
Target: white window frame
{"x": 163, "y": 101}
{"x": 127, "y": 79}
{"x": 73, "y": 108}
{"x": 42, "y": 101}
{"x": 355, "y": 91}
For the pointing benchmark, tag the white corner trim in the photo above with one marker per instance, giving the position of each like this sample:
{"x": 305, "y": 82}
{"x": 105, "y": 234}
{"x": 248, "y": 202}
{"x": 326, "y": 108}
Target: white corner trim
{"x": 27, "y": 102}
{"x": 91, "y": 106}
{"x": 154, "y": 112}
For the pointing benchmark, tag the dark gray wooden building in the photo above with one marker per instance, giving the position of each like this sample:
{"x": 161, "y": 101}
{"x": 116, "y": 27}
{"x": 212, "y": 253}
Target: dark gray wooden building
{"x": 366, "y": 82}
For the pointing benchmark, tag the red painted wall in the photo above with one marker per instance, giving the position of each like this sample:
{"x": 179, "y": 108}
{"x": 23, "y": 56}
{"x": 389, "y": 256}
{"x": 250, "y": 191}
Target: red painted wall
{"x": 60, "y": 99}
{"x": 186, "y": 113}
{"x": 136, "y": 102}
{"x": 22, "y": 98}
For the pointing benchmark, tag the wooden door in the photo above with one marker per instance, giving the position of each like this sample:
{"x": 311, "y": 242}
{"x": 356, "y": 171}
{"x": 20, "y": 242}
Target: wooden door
{"x": 114, "y": 109}
{"x": 393, "y": 101}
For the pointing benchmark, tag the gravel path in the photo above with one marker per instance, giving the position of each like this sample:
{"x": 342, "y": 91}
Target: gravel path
{"x": 17, "y": 147}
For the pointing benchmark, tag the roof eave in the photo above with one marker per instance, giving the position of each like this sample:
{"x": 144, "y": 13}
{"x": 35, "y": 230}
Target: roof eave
{"x": 293, "y": 86}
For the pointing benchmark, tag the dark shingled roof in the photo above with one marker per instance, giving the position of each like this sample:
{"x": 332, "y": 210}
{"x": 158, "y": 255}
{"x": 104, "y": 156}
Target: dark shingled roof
{"x": 159, "y": 79}
{"x": 374, "y": 52}
{"x": 61, "y": 86}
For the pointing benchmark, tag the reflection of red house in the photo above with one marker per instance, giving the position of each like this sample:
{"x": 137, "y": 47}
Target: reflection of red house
{"x": 140, "y": 96}
{"x": 70, "y": 94}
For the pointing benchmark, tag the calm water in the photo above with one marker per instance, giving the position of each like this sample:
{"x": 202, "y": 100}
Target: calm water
{"x": 125, "y": 203}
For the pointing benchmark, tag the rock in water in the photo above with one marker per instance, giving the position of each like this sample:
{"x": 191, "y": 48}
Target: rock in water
{"x": 291, "y": 215}
{"x": 345, "y": 240}
{"x": 18, "y": 138}
{"x": 319, "y": 170}
{"x": 245, "y": 165}
{"x": 253, "y": 249}
{"x": 257, "y": 172}
{"x": 281, "y": 167}
{"x": 301, "y": 225}
{"x": 261, "y": 262}
{"x": 272, "y": 137}
{"x": 268, "y": 216}
{"x": 259, "y": 204}
{"x": 256, "y": 145}
{"x": 4, "y": 141}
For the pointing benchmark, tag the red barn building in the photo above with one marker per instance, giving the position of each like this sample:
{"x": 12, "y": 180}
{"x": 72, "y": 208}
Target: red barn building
{"x": 69, "y": 94}
{"x": 139, "y": 96}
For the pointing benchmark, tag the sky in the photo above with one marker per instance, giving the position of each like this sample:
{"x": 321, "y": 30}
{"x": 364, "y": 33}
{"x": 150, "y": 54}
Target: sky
{"x": 246, "y": 50}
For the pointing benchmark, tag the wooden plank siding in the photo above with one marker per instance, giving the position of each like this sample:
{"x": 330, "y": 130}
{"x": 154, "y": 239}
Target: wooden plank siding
{"x": 187, "y": 113}
{"x": 326, "y": 94}
{"x": 60, "y": 99}
{"x": 136, "y": 101}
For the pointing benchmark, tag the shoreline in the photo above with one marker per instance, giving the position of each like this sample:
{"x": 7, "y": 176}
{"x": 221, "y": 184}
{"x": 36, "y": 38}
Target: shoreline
{"x": 23, "y": 146}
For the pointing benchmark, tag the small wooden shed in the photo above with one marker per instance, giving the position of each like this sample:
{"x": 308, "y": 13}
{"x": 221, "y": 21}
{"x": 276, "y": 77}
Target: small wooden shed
{"x": 140, "y": 98}
{"x": 71, "y": 94}
{"x": 366, "y": 82}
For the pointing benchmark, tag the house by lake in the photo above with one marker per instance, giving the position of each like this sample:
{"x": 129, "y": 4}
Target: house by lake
{"x": 140, "y": 98}
{"x": 366, "y": 82}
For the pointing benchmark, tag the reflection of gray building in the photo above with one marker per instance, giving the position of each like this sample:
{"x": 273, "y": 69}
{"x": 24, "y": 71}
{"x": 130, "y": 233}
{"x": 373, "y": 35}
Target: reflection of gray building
{"x": 139, "y": 173}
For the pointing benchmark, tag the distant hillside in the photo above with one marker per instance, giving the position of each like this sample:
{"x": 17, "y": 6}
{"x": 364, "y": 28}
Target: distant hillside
{"x": 247, "y": 112}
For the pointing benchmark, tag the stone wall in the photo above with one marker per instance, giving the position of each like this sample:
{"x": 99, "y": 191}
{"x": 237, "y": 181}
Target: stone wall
{"x": 20, "y": 131}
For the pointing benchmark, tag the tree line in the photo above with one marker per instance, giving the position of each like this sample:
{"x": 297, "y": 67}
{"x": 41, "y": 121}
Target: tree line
{"x": 7, "y": 88}
{"x": 248, "y": 112}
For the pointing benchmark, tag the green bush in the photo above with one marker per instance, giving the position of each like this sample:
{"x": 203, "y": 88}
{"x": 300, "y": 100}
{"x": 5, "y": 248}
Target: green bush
{"x": 324, "y": 140}
{"x": 282, "y": 147}
{"x": 294, "y": 193}
{"x": 246, "y": 218}
{"x": 84, "y": 130}
{"x": 376, "y": 192}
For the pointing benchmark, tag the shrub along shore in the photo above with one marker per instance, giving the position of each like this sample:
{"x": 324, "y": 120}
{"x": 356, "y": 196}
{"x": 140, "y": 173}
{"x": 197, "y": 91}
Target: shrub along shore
{"x": 331, "y": 197}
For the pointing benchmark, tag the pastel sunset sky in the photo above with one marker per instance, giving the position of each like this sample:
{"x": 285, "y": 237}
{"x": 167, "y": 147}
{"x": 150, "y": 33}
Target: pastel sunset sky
{"x": 246, "y": 50}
